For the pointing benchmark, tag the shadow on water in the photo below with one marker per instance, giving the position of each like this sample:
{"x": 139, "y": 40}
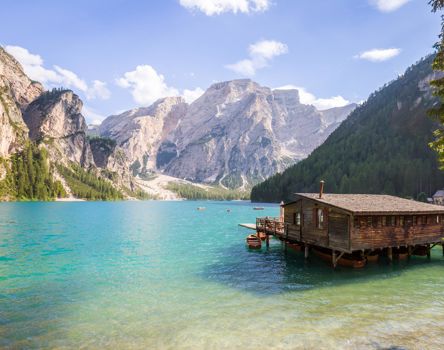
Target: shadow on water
{"x": 275, "y": 270}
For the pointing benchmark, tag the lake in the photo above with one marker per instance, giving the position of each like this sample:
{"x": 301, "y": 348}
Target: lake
{"x": 163, "y": 275}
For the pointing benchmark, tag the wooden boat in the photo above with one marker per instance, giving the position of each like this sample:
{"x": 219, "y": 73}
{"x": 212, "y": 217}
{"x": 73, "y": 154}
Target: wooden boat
{"x": 294, "y": 246}
{"x": 201, "y": 208}
{"x": 262, "y": 236}
{"x": 258, "y": 208}
{"x": 253, "y": 242}
{"x": 372, "y": 258}
{"x": 344, "y": 261}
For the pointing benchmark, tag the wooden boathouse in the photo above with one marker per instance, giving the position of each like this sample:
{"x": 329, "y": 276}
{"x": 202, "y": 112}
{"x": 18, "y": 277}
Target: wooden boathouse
{"x": 357, "y": 226}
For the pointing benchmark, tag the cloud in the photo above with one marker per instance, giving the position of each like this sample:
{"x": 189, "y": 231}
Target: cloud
{"x": 308, "y": 98}
{"x": 192, "y": 95}
{"x": 260, "y": 54}
{"x": 92, "y": 116}
{"x": 217, "y": 7}
{"x": 379, "y": 55}
{"x": 98, "y": 90}
{"x": 146, "y": 85}
{"x": 33, "y": 66}
{"x": 388, "y": 5}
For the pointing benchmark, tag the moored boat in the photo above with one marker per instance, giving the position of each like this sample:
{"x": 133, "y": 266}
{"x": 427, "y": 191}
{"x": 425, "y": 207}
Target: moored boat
{"x": 258, "y": 208}
{"x": 343, "y": 261}
{"x": 253, "y": 242}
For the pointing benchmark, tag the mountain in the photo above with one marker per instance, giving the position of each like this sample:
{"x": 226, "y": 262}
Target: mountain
{"x": 44, "y": 150}
{"x": 382, "y": 147}
{"x": 235, "y": 135}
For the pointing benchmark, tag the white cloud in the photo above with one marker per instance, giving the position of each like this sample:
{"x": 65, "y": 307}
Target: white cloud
{"x": 217, "y": 7}
{"x": 308, "y": 98}
{"x": 192, "y": 95}
{"x": 98, "y": 90}
{"x": 379, "y": 55}
{"x": 388, "y": 5}
{"x": 261, "y": 53}
{"x": 92, "y": 116}
{"x": 146, "y": 85}
{"x": 33, "y": 66}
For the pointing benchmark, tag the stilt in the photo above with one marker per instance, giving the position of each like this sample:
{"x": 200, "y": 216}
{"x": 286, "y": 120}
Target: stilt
{"x": 428, "y": 251}
{"x": 409, "y": 251}
{"x": 267, "y": 240}
{"x": 306, "y": 251}
{"x": 390, "y": 253}
{"x": 333, "y": 258}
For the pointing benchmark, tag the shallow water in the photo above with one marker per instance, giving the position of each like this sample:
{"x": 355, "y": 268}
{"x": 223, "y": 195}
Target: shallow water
{"x": 162, "y": 275}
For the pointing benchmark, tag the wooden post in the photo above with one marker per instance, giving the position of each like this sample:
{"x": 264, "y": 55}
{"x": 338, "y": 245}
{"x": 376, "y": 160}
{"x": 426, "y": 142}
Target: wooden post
{"x": 409, "y": 251}
{"x": 390, "y": 253}
{"x": 267, "y": 240}
{"x": 333, "y": 258}
{"x": 428, "y": 251}
{"x": 306, "y": 251}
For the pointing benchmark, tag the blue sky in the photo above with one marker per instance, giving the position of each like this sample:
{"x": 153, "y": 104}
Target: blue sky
{"x": 121, "y": 54}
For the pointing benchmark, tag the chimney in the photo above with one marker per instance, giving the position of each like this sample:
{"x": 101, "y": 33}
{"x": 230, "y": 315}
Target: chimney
{"x": 321, "y": 189}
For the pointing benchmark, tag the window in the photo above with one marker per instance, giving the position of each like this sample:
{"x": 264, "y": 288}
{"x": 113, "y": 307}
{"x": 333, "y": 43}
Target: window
{"x": 437, "y": 219}
{"x": 297, "y": 218}
{"x": 356, "y": 222}
{"x": 392, "y": 220}
{"x": 423, "y": 220}
{"x": 375, "y": 220}
{"x": 384, "y": 221}
{"x": 369, "y": 221}
{"x": 415, "y": 220}
{"x": 320, "y": 218}
{"x": 401, "y": 221}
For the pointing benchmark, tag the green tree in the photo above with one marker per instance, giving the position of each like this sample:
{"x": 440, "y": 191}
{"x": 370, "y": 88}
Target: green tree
{"x": 438, "y": 84}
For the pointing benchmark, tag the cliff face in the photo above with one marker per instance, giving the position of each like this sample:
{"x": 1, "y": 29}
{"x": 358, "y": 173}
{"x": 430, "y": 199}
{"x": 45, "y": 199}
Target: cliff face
{"x": 16, "y": 92}
{"x": 235, "y": 134}
{"x": 140, "y": 131}
{"x": 55, "y": 118}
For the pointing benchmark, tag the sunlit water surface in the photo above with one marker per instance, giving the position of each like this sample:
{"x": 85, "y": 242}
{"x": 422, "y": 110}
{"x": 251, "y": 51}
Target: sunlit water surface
{"x": 163, "y": 275}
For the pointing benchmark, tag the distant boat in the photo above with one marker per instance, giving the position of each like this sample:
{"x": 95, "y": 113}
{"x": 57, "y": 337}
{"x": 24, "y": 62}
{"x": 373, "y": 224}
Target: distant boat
{"x": 258, "y": 208}
{"x": 201, "y": 208}
{"x": 228, "y": 210}
{"x": 253, "y": 242}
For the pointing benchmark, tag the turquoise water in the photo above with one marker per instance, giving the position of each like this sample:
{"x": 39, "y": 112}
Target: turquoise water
{"x": 162, "y": 275}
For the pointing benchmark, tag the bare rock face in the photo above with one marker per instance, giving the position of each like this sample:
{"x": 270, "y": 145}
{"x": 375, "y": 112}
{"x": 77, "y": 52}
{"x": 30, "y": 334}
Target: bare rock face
{"x": 236, "y": 134}
{"x": 55, "y": 118}
{"x": 239, "y": 133}
{"x": 16, "y": 92}
{"x": 139, "y": 132}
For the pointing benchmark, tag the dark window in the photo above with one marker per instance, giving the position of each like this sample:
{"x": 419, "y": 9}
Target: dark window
{"x": 384, "y": 221}
{"x": 375, "y": 220}
{"x": 423, "y": 220}
{"x": 408, "y": 220}
{"x": 415, "y": 220}
{"x": 297, "y": 218}
{"x": 401, "y": 221}
{"x": 320, "y": 218}
{"x": 356, "y": 220}
{"x": 392, "y": 220}
{"x": 369, "y": 221}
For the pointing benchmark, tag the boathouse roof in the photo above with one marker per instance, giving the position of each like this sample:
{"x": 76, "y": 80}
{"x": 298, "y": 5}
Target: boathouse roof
{"x": 373, "y": 203}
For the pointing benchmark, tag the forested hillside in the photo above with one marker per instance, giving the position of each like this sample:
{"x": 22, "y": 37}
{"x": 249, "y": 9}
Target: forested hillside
{"x": 382, "y": 147}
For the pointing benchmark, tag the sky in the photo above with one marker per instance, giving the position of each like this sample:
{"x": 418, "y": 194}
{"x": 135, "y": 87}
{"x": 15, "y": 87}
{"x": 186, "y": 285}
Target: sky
{"x": 117, "y": 55}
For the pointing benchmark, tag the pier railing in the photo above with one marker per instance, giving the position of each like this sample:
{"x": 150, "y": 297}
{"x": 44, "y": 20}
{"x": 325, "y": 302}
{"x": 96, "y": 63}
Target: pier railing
{"x": 270, "y": 226}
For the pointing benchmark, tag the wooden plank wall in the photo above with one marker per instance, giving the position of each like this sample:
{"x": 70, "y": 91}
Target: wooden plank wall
{"x": 376, "y": 235}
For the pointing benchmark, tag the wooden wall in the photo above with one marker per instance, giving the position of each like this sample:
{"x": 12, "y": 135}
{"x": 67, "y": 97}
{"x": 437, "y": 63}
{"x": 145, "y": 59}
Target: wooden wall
{"x": 369, "y": 234}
